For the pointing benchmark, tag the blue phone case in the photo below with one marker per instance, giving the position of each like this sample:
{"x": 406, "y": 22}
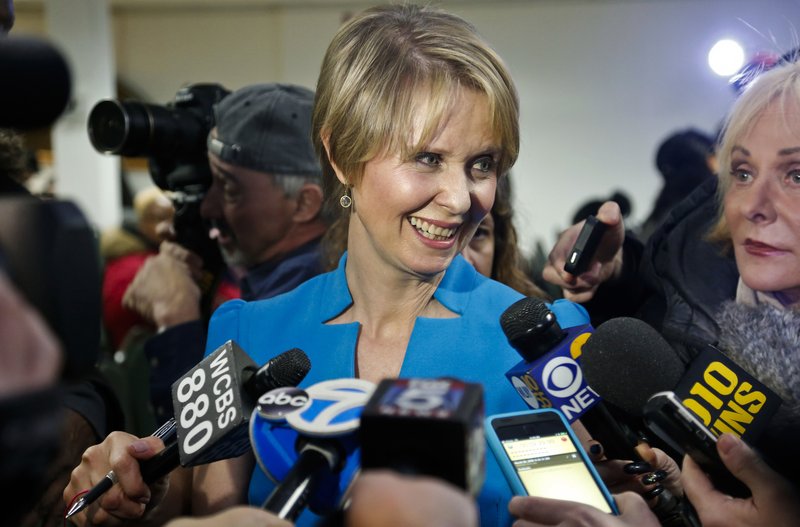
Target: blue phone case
{"x": 507, "y": 466}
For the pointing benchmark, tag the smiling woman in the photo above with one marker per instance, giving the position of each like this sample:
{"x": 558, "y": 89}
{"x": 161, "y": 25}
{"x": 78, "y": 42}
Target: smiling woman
{"x": 415, "y": 122}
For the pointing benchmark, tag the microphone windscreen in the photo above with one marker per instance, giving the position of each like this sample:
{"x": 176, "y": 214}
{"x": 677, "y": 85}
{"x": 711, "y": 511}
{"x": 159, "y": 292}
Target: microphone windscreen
{"x": 524, "y": 314}
{"x": 36, "y": 83}
{"x": 626, "y": 361}
{"x": 288, "y": 368}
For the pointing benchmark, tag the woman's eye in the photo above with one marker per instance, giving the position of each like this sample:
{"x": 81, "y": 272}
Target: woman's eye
{"x": 428, "y": 158}
{"x": 482, "y": 232}
{"x": 484, "y": 164}
{"x": 741, "y": 175}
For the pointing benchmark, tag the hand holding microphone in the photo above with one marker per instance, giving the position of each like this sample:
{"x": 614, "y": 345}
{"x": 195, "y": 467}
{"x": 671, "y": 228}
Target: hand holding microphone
{"x": 212, "y": 403}
{"x": 605, "y": 264}
{"x": 774, "y": 500}
{"x": 550, "y": 372}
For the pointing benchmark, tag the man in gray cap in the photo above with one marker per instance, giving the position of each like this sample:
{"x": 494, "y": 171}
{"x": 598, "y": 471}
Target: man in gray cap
{"x": 265, "y": 211}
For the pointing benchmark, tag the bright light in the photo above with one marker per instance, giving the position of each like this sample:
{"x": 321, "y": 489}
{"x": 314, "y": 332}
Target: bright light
{"x": 726, "y": 57}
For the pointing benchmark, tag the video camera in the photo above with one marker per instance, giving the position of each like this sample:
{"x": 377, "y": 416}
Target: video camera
{"x": 173, "y": 138}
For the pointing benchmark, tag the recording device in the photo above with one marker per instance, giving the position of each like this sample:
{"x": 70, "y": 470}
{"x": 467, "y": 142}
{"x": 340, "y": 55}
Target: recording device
{"x": 37, "y": 83}
{"x": 212, "y": 402}
{"x": 431, "y": 427}
{"x": 725, "y": 397}
{"x": 173, "y": 137}
{"x": 311, "y": 452}
{"x": 585, "y": 246}
{"x": 540, "y": 456}
{"x": 674, "y": 424}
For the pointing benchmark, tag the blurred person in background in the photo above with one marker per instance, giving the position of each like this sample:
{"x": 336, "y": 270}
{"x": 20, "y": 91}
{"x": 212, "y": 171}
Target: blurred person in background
{"x": 685, "y": 160}
{"x": 494, "y": 250}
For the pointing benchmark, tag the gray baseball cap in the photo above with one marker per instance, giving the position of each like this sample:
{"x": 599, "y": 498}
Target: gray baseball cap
{"x": 266, "y": 127}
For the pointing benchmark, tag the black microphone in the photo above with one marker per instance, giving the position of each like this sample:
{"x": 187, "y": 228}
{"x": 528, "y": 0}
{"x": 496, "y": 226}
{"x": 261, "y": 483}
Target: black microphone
{"x": 36, "y": 83}
{"x": 432, "y": 427}
{"x": 213, "y": 402}
{"x": 626, "y": 361}
{"x": 631, "y": 349}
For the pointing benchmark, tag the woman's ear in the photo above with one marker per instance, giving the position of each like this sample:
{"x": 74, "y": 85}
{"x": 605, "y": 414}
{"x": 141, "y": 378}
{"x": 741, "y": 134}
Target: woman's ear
{"x": 309, "y": 203}
{"x": 326, "y": 142}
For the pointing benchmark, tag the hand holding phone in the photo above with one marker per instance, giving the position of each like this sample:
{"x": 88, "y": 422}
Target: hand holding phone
{"x": 540, "y": 456}
{"x": 585, "y": 246}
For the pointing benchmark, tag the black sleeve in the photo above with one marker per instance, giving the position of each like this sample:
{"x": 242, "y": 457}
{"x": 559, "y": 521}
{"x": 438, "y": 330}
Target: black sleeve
{"x": 172, "y": 353}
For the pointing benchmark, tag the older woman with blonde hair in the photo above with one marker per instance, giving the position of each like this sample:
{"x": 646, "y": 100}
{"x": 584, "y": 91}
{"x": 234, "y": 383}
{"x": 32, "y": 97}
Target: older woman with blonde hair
{"x": 724, "y": 269}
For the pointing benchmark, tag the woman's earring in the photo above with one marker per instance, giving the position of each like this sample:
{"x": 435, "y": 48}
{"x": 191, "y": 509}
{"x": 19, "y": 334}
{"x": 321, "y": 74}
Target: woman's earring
{"x": 345, "y": 201}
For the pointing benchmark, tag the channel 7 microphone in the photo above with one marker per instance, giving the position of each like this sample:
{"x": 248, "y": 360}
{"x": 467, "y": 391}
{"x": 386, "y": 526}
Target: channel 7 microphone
{"x": 431, "y": 427}
{"x": 213, "y": 402}
{"x": 308, "y": 445}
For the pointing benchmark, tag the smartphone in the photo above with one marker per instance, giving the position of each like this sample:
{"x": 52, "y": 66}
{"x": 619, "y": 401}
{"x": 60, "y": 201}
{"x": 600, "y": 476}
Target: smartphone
{"x": 677, "y": 426}
{"x": 540, "y": 456}
{"x": 585, "y": 246}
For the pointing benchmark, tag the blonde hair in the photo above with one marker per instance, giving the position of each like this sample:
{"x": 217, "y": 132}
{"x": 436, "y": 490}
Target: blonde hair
{"x": 380, "y": 66}
{"x": 779, "y": 86}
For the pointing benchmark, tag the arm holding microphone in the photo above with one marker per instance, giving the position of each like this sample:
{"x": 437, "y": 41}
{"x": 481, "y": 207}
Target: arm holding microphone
{"x": 551, "y": 376}
{"x": 213, "y": 402}
{"x": 606, "y": 264}
{"x": 774, "y": 501}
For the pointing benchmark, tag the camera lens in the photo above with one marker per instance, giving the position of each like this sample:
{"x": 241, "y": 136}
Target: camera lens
{"x": 120, "y": 128}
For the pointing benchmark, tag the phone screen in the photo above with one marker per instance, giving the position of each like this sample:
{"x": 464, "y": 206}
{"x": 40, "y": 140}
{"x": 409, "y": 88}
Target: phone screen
{"x": 549, "y": 463}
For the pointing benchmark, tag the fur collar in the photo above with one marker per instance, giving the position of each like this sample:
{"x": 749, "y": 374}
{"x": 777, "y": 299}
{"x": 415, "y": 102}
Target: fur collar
{"x": 765, "y": 341}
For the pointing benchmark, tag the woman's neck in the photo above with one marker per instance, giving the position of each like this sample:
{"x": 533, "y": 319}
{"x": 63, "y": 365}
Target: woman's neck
{"x": 388, "y": 299}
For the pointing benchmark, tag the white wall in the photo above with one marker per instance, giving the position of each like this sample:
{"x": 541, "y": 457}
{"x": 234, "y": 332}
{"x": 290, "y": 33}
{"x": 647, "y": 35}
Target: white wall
{"x": 601, "y": 81}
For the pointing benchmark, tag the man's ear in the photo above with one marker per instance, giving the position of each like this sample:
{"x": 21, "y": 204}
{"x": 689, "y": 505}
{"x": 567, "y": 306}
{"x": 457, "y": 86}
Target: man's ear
{"x": 326, "y": 142}
{"x": 309, "y": 203}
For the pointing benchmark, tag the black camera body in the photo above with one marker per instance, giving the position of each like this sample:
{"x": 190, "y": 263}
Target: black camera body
{"x": 173, "y": 138}
{"x": 170, "y": 136}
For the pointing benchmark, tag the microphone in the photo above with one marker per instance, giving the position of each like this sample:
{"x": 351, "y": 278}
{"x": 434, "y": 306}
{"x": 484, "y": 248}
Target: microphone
{"x": 725, "y": 397}
{"x": 309, "y": 448}
{"x": 426, "y": 426}
{"x": 36, "y": 83}
{"x": 631, "y": 349}
{"x": 627, "y": 360}
{"x": 213, "y": 402}
{"x": 549, "y": 375}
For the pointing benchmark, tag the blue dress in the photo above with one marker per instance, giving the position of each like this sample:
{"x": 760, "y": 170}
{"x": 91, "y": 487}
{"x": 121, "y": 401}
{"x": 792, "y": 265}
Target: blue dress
{"x": 471, "y": 347}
